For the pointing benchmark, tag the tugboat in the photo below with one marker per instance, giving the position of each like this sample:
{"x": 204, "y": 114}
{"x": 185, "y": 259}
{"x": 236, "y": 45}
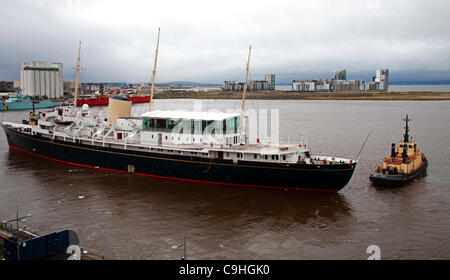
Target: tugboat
{"x": 406, "y": 163}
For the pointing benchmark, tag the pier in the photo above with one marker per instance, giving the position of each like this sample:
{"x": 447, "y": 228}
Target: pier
{"x": 20, "y": 244}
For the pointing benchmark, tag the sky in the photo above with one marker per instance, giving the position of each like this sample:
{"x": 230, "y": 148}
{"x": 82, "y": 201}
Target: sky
{"x": 208, "y": 41}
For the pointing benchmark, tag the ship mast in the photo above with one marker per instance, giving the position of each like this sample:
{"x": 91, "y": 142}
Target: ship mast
{"x": 77, "y": 78}
{"x": 406, "y": 136}
{"x": 245, "y": 90}
{"x": 154, "y": 72}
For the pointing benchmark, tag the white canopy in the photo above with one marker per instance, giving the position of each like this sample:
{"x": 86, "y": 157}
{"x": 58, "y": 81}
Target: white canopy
{"x": 189, "y": 115}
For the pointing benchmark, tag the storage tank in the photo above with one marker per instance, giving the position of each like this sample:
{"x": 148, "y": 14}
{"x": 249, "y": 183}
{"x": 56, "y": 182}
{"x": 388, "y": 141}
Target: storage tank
{"x": 119, "y": 107}
{"x": 47, "y": 84}
{"x": 53, "y": 85}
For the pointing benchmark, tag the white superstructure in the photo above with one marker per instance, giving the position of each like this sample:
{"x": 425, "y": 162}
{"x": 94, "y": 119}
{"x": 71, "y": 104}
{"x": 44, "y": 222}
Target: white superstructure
{"x": 201, "y": 134}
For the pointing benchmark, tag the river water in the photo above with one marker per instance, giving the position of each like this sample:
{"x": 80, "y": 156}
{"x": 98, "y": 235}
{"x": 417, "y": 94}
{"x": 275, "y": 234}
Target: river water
{"x": 123, "y": 216}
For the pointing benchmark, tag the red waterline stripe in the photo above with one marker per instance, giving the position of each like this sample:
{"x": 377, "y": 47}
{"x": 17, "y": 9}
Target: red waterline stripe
{"x": 171, "y": 178}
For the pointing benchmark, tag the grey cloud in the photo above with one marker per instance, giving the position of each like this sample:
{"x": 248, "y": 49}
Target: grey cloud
{"x": 207, "y": 41}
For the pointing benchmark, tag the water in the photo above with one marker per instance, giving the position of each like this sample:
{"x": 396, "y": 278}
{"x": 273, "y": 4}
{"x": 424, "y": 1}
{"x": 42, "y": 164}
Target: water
{"x": 398, "y": 88}
{"x": 419, "y": 88}
{"x": 130, "y": 217}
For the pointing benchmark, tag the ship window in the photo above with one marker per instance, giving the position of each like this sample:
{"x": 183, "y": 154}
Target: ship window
{"x": 205, "y": 124}
{"x": 277, "y": 157}
{"x": 166, "y": 137}
{"x": 224, "y": 126}
{"x": 284, "y": 157}
{"x": 273, "y": 157}
{"x": 172, "y": 123}
{"x": 146, "y": 123}
{"x": 161, "y": 123}
{"x": 265, "y": 157}
{"x": 231, "y": 125}
{"x": 255, "y": 156}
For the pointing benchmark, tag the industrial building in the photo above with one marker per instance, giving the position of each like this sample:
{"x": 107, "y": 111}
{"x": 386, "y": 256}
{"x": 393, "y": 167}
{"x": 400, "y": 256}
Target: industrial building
{"x": 39, "y": 80}
{"x": 6, "y": 86}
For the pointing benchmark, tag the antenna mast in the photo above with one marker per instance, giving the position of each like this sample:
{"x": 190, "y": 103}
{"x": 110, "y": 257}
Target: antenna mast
{"x": 245, "y": 89}
{"x": 406, "y": 136}
{"x": 154, "y": 71}
{"x": 77, "y": 78}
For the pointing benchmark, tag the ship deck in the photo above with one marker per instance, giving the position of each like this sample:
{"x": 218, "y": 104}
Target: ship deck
{"x": 199, "y": 150}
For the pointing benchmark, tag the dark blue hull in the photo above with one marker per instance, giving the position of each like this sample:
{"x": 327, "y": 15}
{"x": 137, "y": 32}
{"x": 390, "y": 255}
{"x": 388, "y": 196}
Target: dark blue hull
{"x": 329, "y": 178}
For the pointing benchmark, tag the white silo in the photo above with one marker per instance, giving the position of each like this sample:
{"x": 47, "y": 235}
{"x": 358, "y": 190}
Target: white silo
{"x": 59, "y": 79}
{"x": 39, "y": 80}
{"x": 52, "y": 84}
{"x": 42, "y": 83}
{"x": 47, "y": 84}
{"x": 33, "y": 82}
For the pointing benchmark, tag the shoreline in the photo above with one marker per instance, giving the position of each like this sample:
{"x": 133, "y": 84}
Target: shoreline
{"x": 287, "y": 95}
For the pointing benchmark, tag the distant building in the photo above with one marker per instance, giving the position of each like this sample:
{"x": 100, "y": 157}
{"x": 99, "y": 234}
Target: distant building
{"x": 352, "y": 85}
{"x": 16, "y": 85}
{"x": 6, "y": 86}
{"x": 341, "y": 75}
{"x": 270, "y": 79}
{"x": 311, "y": 85}
{"x": 303, "y": 85}
{"x": 382, "y": 77}
{"x": 39, "y": 80}
{"x": 267, "y": 84}
{"x": 371, "y": 86}
{"x": 259, "y": 85}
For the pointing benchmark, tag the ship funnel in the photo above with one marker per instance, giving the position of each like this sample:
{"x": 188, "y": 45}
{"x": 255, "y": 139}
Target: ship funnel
{"x": 119, "y": 107}
{"x": 393, "y": 150}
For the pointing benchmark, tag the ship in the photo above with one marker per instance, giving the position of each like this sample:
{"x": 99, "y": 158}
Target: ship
{"x": 104, "y": 100}
{"x": 101, "y": 100}
{"x": 406, "y": 163}
{"x": 190, "y": 146}
{"x": 20, "y": 102}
